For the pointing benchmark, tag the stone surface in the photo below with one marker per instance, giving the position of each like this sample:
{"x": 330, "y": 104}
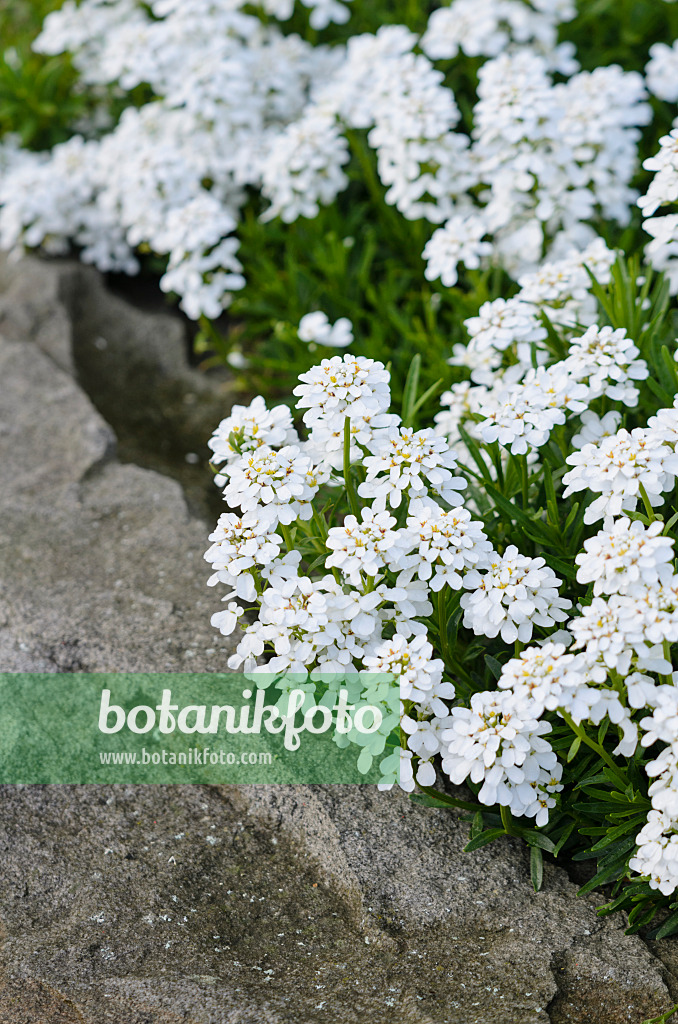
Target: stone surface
{"x": 131, "y": 361}
{"x": 100, "y": 563}
{"x": 232, "y": 905}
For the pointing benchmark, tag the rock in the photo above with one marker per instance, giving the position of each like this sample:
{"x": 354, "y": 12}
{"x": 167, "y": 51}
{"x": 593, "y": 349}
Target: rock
{"x": 100, "y": 563}
{"x": 132, "y": 362}
{"x": 231, "y": 905}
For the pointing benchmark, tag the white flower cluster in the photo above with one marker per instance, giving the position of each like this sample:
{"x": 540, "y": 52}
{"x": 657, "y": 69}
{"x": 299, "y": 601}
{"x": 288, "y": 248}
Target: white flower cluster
{"x": 657, "y": 854}
{"x": 485, "y": 28}
{"x": 662, "y": 251}
{"x": 254, "y": 108}
{"x": 377, "y": 571}
{"x": 498, "y": 741}
{"x": 170, "y": 176}
{"x": 620, "y": 468}
{"x": 514, "y": 330}
{"x": 382, "y": 576}
{"x": 661, "y": 71}
{"x": 521, "y": 414}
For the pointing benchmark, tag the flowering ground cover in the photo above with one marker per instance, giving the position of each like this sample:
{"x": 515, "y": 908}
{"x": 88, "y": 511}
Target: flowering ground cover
{"x": 442, "y": 244}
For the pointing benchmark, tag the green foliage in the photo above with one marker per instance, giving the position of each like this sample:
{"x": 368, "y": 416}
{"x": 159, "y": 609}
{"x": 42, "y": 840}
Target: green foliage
{"x": 347, "y": 264}
{"x": 38, "y": 101}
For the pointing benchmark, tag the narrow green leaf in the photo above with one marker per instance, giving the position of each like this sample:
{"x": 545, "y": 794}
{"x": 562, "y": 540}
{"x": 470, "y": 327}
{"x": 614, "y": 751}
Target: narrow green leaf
{"x": 483, "y": 839}
{"x": 410, "y": 390}
{"x": 478, "y": 825}
{"x": 534, "y": 838}
{"x": 633, "y": 825}
{"x": 536, "y": 868}
{"x": 669, "y": 927}
{"x": 563, "y": 839}
{"x": 574, "y": 747}
{"x": 493, "y": 665}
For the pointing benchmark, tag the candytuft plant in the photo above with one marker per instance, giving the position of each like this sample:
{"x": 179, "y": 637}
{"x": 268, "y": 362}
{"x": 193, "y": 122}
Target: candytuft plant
{"x": 513, "y": 565}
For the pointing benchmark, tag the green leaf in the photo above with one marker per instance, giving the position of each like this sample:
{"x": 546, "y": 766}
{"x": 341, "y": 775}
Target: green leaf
{"x": 536, "y": 868}
{"x": 478, "y": 825}
{"x": 493, "y": 665}
{"x": 428, "y": 797}
{"x": 633, "y": 825}
{"x": 669, "y": 927}
{"x": 410, "y": 391}
{"x": 551, "y": 501}
{"x": 563, "y": 839}
{"x": 574, "y": 747}
{"x": 671, "y": 366}
{"x": 534, "y": 527}
{"x": 537, "y": 839}
{"x": 640, "y": 916}
{"x": 483, "y": 839}
{"x": 429, "y": 393}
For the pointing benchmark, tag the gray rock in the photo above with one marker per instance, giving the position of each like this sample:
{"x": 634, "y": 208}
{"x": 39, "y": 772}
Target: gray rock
{"x": 100, "y": 563}
{"x": 231, "y": 905}
{"x": 132, "y": 362}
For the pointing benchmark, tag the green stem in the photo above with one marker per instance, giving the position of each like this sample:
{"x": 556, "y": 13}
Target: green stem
{"x": 506, "y": 820}
{"x": 523, "y": 476}
{"x": 350, "y": 489}
{"x": 287, "y": 536}
{"x": 444, "y": 798}
{"x": 646, "y": 502}
{"x": 442, "y": 626}
{"x": 321, "y": 525}
{"x": 667, "y": 654}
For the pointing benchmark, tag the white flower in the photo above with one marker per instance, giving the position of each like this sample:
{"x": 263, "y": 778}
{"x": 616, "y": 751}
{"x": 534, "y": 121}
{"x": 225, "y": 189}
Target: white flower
{"x": 657, "y": 853}
{"x": 444, "y": 545}
{"x": 303, "y": 169}
{"x": 521, "y": 416}
{"x": 459, "y": 241}
{"x": 665, "y": 425}
{"x": 562, "y": 288}
{"x": 607, "y": 361}
{"x": 404, "y": 460}
{"x": 315, "y": 327}
{"x": 513, "y": 596}
{"x": 594, "y": 427}
{"x": 618, "y": 559}
{"x": 249, "y": 427}
{"x": 615, "y": 632}
{"x": 367, "y": 546}
{"x": 227, "y": 620}
{"x": 661, "y": 72}
{"x": 240, "y": 543}
{"x": 542, "y": 674}
{"x": 284, "y": 480}
{"x": 343, "y": 386}
{"x": 616, "y": 467}
{"x": 324, "y": 12}
{"x": 505, "y": 322}
{"x": 410, "y": 661}
{"x": 487, "y": 27}
{"x": 663, "y": 189}
{"x": 498, "y": 741}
